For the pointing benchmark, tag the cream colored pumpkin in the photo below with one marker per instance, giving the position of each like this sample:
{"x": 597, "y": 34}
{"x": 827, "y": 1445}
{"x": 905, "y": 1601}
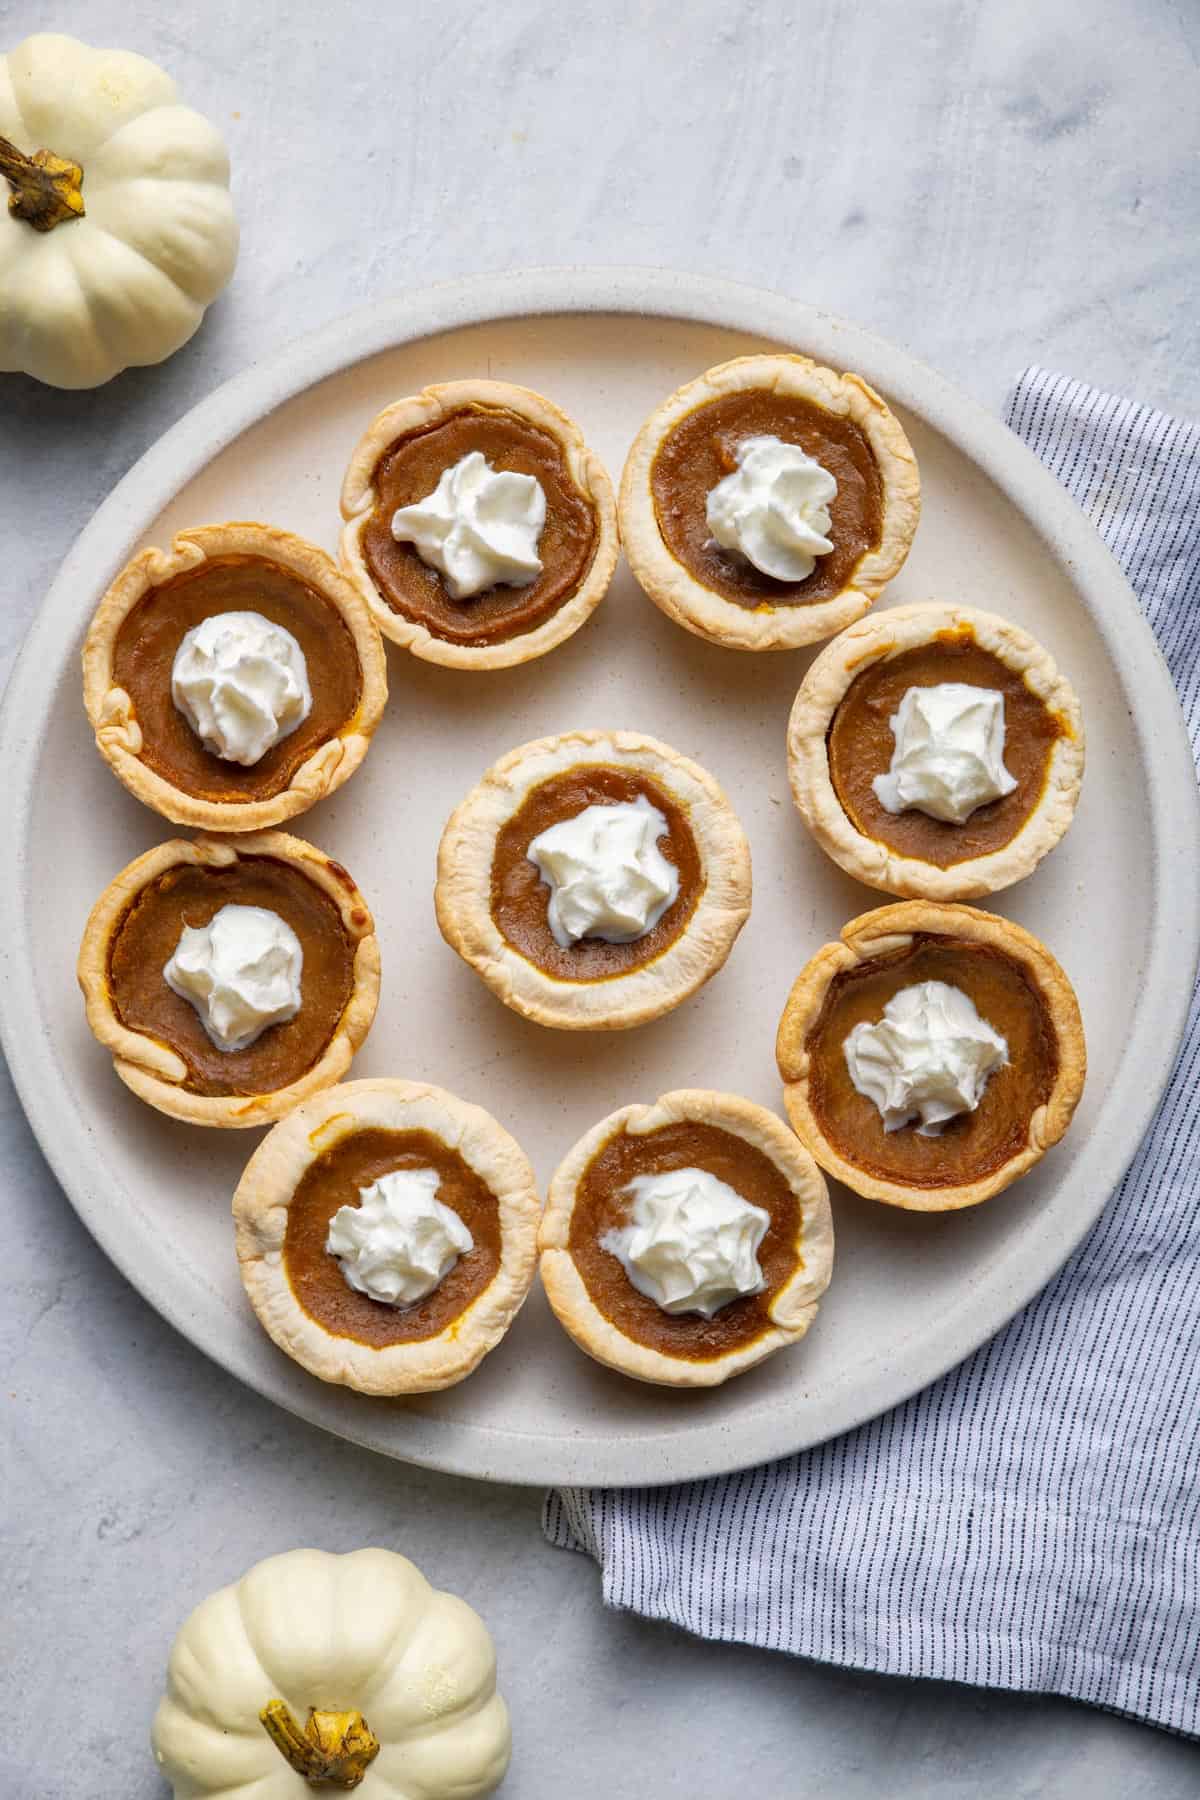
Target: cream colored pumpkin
{"x": 114, "y": 266}
{"x": 383, "y": 1658}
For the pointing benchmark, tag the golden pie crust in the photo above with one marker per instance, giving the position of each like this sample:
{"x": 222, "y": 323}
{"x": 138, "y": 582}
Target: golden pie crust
{"x": 421, "y": 411}
{"x": 891, "y": 929}
{"x": 260, "y": 1212}
{"x": 110, "y": 709}
{"x": 880, "y": 638}
{"x": 463, "y": 895}
{"x": 155, "y": 1072}
{"x": 793, "y": 1307}
{"x": 676, "y": 592}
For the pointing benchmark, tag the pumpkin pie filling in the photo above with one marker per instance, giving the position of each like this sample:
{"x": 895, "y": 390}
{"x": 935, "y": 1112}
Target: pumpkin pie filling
{"x": 860, "y": 745}
{"x": 410, "y": 469}
{"x": 190, "y": 894}
{"x": 334, "y": 1180}
{"x": 519, "y": 896}
{"x": 700, "y": 451}
{"x": 150, "y": 636}
{"x": 974, "y": 1144}
{"x": 602, "y": 1205}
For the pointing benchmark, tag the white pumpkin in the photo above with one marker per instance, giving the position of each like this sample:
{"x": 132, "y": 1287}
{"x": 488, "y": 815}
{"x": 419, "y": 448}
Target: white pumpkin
{"x": 119, "y": 228}
{"x": 317, "y": 1672}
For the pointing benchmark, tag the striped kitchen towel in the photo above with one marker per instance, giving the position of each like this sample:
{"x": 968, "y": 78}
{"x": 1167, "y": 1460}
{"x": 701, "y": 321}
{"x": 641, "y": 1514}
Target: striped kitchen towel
{"x": 1033, "y": 1519}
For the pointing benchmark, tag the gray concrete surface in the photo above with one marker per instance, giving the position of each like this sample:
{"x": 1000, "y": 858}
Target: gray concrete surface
{"x": 989, "y": 185}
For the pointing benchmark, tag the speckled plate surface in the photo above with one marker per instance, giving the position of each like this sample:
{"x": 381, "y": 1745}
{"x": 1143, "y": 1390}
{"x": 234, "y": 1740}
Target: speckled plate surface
{"x": 1117, "y": 902}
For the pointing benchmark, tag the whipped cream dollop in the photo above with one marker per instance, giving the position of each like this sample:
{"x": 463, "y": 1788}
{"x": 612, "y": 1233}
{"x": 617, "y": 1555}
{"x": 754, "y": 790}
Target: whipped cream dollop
{"x": 606, "y": 874}
{"x": 949, "y": 752}
{"x": 773, "y": 509}
{"x": 241, "y": 683}
{"x": 691, "y": 1244}
{"x": 241, "y": 972}
{"x": 929, "y": 1057}
{"x": 480, "y": 527}
{"x": 400, "y": 1242}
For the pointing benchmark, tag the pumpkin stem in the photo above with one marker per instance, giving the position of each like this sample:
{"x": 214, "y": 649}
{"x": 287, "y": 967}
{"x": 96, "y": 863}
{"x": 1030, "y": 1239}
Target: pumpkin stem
{"x": 45, "y": 187}
{"x": 334, "y": 1749}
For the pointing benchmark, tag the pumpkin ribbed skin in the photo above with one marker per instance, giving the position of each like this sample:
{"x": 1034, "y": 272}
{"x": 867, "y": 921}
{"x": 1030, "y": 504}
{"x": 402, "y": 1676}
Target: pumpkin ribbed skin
{"x": 364, "y": 1631}
{"x": 128, "y": 283}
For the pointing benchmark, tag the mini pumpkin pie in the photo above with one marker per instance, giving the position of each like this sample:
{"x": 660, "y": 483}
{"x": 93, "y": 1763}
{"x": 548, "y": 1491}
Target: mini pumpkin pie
{"x": 767, "y": 503}
{"x": 935, "y": 750}
{"x": 387, "y": 1235}
{"x": 932, "y": 1055}
{"x": 235, "y": 679}
{"x": 684, "y": 1242}
{"x": 594, "y": 880}
{"x": 480, "y": 529}
{"x": 230, "y": 977}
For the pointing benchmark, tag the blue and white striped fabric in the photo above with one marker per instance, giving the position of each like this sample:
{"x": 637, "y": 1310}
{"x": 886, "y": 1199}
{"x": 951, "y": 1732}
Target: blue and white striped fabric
{"x": 1033, "y": 1519}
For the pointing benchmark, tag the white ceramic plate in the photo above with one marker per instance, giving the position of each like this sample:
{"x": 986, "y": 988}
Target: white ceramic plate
{"x": 911, "y": 1294}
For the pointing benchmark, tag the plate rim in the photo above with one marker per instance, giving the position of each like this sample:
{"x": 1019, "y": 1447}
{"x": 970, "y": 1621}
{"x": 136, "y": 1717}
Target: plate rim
{"x": 180, "y": 453}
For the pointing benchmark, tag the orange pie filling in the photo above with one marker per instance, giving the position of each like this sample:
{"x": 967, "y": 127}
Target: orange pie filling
{"x": 861, "y": 741}
{"x": 604, "y": 1206}
{"x": 409, "y": 471}
{"x": 702, "y": 449}
{"x": 153, "y": 631}
{"x": 340, "y": 1178}
{"x": 1020, "y": 1078}
{"x": 148, "y": 937}
{"x": 520, "y": 897}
